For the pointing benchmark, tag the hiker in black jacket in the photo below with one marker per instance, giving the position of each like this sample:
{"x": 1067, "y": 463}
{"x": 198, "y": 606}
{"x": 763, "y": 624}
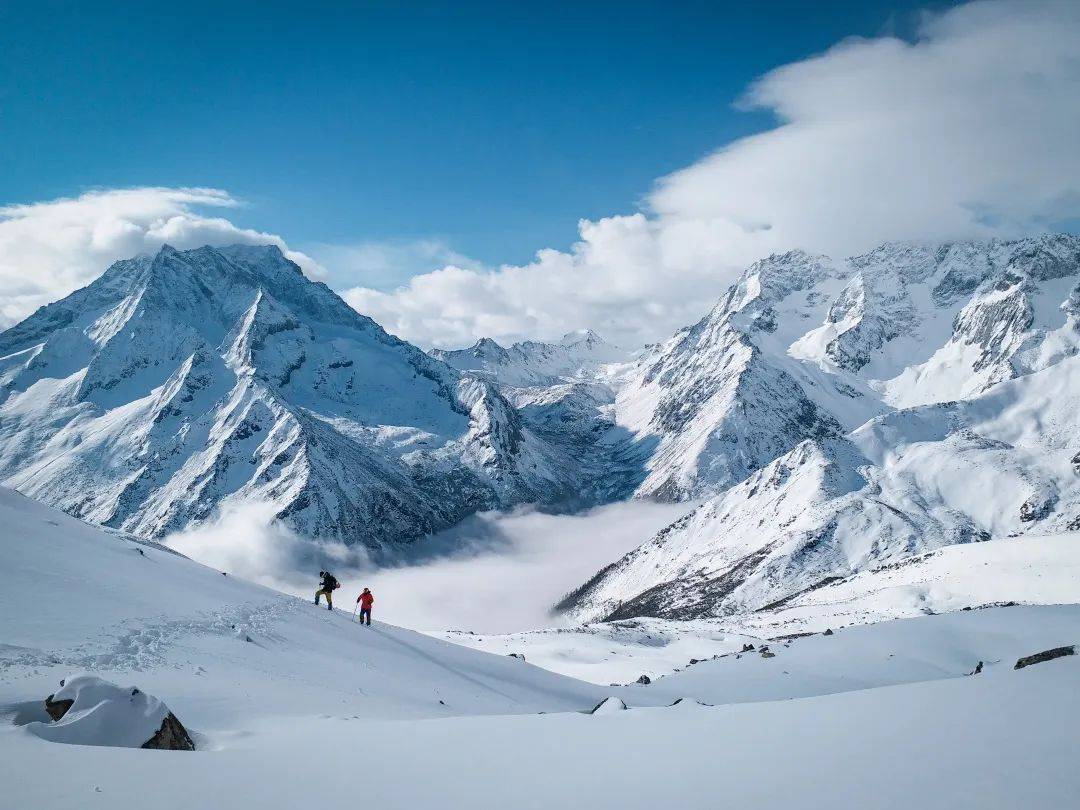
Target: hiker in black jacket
{"x": 327, "y": 586}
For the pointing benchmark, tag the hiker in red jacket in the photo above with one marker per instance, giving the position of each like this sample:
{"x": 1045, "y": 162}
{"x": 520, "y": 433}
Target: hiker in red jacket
{"x": 365, "y": 600}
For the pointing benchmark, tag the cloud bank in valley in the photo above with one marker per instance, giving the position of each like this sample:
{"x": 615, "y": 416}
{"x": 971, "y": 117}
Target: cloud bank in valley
{"x": 493, "y": 573}
{"x": 969, "y": 131}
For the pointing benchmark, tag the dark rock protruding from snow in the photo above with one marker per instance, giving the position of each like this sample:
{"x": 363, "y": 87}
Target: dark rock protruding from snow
{"x": 644, "y": 680}
{"x": 87, "y": 710}
{"x": 172, "y": 736}
{"x": 1045, "y": 655}
{"x": 608, "y": 705}
{"x": 57, "y": 708}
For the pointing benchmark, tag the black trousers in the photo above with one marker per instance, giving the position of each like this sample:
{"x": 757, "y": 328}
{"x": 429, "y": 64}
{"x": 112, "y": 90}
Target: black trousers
{"x": 365, "y": 612}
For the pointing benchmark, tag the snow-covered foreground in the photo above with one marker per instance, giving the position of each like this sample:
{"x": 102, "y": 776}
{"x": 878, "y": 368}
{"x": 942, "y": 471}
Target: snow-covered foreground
{"x": 987, "y": 742}
{"x": 76, "y": 598}
{"x": 1031, "y": 570}
{"x": 315, "y": 709}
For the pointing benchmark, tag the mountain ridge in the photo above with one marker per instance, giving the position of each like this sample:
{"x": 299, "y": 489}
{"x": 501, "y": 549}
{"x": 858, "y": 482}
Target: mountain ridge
{"x": 925, "y": 360}
{"x": 175, "y": 383}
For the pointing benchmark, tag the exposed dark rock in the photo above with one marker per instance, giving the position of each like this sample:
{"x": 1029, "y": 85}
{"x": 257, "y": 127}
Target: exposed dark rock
{"x": 57, "y": 708}
{"x": 1035, "y": 508}
{"x": 828, "y": 632}
{"x": 1045, "y": 655}
{"x": 517, "y": 655}
{"x": 608, "y": 704}
{"x": 644, "y": 680}
{"x": 172, "y": 736}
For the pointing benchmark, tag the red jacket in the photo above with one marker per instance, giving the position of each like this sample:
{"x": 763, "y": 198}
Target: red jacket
{"x": 366, "y": 600}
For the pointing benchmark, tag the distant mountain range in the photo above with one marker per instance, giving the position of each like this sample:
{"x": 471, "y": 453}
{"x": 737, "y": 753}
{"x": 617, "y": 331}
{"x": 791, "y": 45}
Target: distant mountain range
{"x": 578, "y": 356}
{"x": 830, "y": 416}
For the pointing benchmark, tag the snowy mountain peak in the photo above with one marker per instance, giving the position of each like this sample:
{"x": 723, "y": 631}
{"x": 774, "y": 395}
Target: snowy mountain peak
{"x": 533, "y": 363}
{"x": 176, "y": 383}
{"x": 582, "y": 337}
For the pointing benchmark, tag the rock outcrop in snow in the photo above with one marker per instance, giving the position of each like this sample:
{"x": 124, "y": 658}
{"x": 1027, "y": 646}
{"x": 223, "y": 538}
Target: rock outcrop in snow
{"x": 88, "y": 710}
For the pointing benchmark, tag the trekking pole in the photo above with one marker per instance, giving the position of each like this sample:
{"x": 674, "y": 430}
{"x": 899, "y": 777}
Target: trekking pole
{"x": 354, "y": 611}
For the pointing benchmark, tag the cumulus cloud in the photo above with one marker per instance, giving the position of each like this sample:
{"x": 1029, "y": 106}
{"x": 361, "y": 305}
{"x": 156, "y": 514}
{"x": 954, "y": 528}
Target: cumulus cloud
{"x": 49, "y": 249}
{"x": 967, "y": 131}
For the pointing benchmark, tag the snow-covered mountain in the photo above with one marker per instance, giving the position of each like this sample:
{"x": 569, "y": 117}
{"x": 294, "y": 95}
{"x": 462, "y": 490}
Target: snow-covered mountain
{"x": 842, "y": 416}
{"x": 816, "y": 411}
{"x": 805, "y": 347}
{"x": 565, "y": 393}
{"x": 180, "y": 382}
{"x": 579, "y": 355}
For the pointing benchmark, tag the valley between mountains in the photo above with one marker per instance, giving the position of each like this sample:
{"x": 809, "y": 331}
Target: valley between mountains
{"x": 827, "y": 419}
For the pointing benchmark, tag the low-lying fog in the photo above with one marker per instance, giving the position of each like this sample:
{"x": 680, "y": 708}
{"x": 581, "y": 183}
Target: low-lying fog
{"x": 495, "y": 573}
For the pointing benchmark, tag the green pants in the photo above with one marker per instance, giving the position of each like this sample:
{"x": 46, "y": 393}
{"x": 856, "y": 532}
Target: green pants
{"x": 324, "y": 592}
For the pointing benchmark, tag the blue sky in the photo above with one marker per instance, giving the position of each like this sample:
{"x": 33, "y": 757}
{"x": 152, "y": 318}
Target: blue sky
{"x": 491, "y": 127}
{"x": 518, "y": 171}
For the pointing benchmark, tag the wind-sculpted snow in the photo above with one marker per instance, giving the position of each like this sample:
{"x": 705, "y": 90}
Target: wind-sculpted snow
{"x": 177, "y": 383}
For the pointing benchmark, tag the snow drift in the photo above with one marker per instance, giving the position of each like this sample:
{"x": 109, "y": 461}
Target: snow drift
{"x": 92, "y": 711}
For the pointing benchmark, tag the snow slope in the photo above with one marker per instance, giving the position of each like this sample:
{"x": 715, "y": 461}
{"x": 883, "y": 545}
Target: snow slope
{"x": 76, "y": 597}
{"x": 993, "y": 742}
{"x": 315, "y": 706}
{"x": 179, "y": 383}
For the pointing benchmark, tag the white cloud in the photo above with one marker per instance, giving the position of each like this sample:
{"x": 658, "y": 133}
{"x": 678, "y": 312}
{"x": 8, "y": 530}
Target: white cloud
{"x": 387, "y": 264}
{"x": 49, "y": 249}
{"x": 969, "y": 131}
